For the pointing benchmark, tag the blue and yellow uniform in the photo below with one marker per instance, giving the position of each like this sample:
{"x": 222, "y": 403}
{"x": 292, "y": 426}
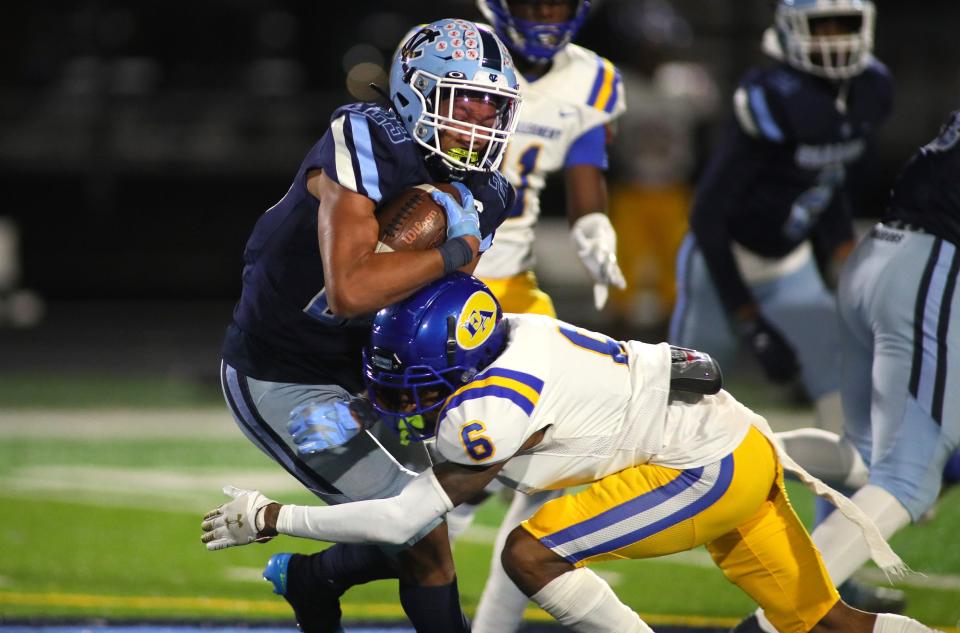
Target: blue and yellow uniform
{"x": 664, "y": 472}
{"x": 562, "y": 124}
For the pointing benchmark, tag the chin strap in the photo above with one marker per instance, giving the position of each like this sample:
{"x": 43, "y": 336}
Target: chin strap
{"x": 386, "y": 97}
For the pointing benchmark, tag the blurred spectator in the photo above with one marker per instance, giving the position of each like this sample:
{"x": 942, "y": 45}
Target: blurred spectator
{"x": 654, "y": 155}
{"x": 19, "y": 307}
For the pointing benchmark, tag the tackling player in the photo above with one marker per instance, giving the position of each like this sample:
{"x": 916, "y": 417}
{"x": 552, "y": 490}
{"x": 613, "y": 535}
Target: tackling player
{"x": 670, "y": 460}
{"x": 901, "y": 344}
{"x": 571, "y": 96}
{"x": 312, "y": 280}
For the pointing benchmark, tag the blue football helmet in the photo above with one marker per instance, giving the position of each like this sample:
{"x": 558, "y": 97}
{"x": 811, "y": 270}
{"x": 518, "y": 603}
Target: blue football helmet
{"x": 425, "y": 347}
{"x": 445, "y": 71}
{"x": 534, "y": 41}
{"x": 835, "y": 55}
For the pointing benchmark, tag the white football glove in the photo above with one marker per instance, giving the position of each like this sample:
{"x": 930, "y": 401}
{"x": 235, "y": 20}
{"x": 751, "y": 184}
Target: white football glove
{"x": 235, "y": 522}
{"x": 596, "y": 244}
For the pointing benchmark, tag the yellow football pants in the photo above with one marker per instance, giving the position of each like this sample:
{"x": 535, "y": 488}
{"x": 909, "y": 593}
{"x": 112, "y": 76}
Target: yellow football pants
{"x": 520, "y": 294}
{"x": 737, "y": 507}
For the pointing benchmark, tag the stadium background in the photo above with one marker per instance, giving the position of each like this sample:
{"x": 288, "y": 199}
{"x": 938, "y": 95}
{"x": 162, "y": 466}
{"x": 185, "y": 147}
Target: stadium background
{"x": 138, "y": 144}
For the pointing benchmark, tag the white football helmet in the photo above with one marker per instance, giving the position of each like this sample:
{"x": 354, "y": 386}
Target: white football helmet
{"x": 842, "y": 54}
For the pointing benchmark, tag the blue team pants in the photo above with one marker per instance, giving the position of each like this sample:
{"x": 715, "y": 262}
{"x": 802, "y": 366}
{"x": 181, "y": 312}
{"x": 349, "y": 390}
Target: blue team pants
{"x": 900, "y": 337}
{"x": 360, "y": 469}
{"x": 798, "y": 304}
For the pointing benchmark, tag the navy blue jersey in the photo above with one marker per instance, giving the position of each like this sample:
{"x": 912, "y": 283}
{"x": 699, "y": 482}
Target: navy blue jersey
{"x": 927, "y": 191}
{"x": 282, "y": 328}
{"x": 779, "y": 176}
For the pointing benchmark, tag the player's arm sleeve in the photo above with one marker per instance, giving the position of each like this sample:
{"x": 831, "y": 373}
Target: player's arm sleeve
{"x": 356, "y": 153}
{"x": 395, "y": 520}
{"x": 725, "y": 182}
{"x": 590, "y": 148}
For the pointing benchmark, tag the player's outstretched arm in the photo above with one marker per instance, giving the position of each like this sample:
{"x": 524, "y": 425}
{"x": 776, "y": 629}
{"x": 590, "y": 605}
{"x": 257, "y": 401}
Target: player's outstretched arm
{"x": 357, "y": 279}
{"x": 251, "y": 516}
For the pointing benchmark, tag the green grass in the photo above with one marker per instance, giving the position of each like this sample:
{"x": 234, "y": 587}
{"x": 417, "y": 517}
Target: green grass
{"x": 132, "y": 550}
{"x": 97, "y": 391}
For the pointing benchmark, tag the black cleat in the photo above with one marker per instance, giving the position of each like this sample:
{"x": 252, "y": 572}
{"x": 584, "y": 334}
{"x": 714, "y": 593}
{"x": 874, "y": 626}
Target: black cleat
{"x": 748, "y": 625}
{"x": 874, "y": 599}
{"x": 316, "y": 604}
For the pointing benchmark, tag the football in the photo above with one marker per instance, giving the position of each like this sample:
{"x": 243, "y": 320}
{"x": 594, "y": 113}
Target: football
{"x": 412, "y": 221}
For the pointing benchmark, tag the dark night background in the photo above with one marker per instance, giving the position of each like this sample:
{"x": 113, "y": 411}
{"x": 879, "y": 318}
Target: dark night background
{"x": 140, "y": 141}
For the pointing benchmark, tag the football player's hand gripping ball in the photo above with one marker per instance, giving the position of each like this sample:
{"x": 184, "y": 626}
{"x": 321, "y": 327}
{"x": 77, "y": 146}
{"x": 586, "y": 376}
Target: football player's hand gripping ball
{"x": 596, "y": 244}
{"x": 318, "y": 427}
{"x": 235, "y": 522}
{"x": 462, "y": 218}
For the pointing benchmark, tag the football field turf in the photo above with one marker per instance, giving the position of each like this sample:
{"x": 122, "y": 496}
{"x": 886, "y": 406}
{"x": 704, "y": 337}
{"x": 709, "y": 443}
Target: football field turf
{"x": 101, "y": 514}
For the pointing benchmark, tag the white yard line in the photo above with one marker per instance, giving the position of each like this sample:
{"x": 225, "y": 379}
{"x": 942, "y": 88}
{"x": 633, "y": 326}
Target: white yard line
{"x": 117, "y": 424}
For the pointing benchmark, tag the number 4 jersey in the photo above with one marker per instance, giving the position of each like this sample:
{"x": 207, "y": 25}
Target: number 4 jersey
{"x": 562, "y": 123}
{"x": 605, "y": 406}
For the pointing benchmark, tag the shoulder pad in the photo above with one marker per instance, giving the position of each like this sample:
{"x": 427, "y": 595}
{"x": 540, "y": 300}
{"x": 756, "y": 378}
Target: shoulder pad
{"x": 487, "y": 421}
{"x": 593, "y": 82}
{"x": 383, "y": 116}
{"x": 365, "y": 148}
{"x": 757, "y": 103}
{"x": 879, "y": 69}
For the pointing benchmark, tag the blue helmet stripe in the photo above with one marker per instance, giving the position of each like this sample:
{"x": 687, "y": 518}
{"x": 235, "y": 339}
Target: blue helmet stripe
{"x": 369, "y": 174}
{"x": 491, "y": 51}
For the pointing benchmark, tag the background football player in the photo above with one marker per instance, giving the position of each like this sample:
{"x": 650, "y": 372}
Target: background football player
{"x": 303, "y": 314}
{"x": 571, "y": 96}
{"x": 771, "y": 221}
{"x": 670, "y": 460}
{"x": 901, "y": 349}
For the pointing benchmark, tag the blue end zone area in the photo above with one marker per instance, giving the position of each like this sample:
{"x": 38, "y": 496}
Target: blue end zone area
{"x": 210, "y": 627}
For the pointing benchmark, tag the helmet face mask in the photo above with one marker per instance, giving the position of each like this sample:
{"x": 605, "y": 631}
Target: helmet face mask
{"x": 426, "y": 347}
{"x": 474, "y": 125}
{"x": 456, "y": 91}
{"x": 535, "y": 41}
{"x": 828, "y": 39}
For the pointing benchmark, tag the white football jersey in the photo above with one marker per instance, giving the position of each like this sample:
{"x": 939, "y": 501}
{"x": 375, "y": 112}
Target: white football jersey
{"x": 605, "y": 406}
{"x": 581, "y": 91}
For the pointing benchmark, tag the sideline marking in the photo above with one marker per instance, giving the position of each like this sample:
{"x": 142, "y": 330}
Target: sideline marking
{"x": 278, "y": 607}
{"x": 271, "y": 607}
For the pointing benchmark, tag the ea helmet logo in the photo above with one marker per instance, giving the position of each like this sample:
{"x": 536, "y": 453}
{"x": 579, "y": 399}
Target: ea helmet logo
{"x": 477, "y": 320}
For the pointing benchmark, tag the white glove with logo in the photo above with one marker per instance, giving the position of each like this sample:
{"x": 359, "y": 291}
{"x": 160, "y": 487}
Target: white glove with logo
{"x": 235, "y": 522}
{"x": 596, "y": 244}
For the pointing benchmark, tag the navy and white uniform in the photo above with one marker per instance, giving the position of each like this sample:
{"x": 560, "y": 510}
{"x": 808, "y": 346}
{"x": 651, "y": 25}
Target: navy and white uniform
{"x": 773, "y": 196}
{"x": 284, "y": 347}
{"x": 900, "y": 329}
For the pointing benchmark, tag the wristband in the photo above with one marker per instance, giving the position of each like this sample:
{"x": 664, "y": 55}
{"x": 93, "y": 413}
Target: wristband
{"x": 456, "y": 253}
